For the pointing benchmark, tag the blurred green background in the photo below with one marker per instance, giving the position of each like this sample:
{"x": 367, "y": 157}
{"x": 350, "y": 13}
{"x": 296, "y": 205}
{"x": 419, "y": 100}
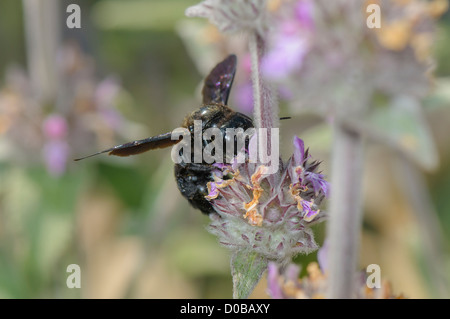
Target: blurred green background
{"x": 131, "y": 72}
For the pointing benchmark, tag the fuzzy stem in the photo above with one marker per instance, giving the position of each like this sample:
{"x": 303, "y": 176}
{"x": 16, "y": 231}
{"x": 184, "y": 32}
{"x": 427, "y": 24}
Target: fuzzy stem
{"x": 42, "y": 36}
{"x": 247, "y": 268}
{"x": 345, "y": 211}
{"x": 265, "y": 105}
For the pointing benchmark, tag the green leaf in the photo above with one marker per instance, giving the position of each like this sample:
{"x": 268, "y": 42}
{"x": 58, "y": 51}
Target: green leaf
{"x": 246, "y": 269}
{"x": 138, "y": 14}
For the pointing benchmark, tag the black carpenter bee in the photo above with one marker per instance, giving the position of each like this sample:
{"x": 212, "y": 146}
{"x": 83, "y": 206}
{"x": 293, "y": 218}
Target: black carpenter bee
{"x": 192, "y": 178}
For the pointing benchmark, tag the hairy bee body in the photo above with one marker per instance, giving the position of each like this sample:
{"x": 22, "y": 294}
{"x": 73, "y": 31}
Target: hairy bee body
{"x": 192, "y": 178}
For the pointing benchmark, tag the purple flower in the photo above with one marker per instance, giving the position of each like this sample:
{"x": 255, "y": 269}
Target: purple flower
{"x": 304, "y": 13}
{"x": 308, "y": 212}
{"x": 273, "y": 282}
{"x": 299, "y": 151}
{"x": 318, "y": 182}
{"x": 286, "y": 284}
{"x": 307, "y": 182}
{"x": 285, "y": 57}
{"x": 55, "y": 154}
{"x": 213, "y": 191}
{"x": 106, "y": 92}
{"x": 243, "y": 97}
{"x": 55, "y": 127}
{"x": 289, "y": 42}
{"x": 55, "y": 149}
{"x": 111, "y": 117}
{"x": 292, "y": 272}
{"x": 322, "y": 256}
{"x": 273, "y": 211}
{"x": 92, "y": 111}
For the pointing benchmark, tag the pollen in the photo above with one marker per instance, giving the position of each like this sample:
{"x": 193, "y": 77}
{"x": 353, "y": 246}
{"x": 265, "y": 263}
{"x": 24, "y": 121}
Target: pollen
{"x": 295, "y": 192}
{"x": 258, "y": 175}
{"x": 254, "y": 218}
{"x": 213, "y": 187}
{"x": 396, "y": 35}
{"x": 273, "y": 5}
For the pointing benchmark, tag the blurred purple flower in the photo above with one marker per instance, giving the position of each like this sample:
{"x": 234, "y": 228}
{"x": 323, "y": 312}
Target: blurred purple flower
{"x": 106, "y": 92}
{"x": 55, "y": 154}
{"x": 393, "y": 60}
{"x": 284, "y": 283}
{"x": 84, "y": 107}
{"x": 285, "y": 93}
{"x": 243, "y": 97}
{"x": 286, "y": 56}
{"x": 292, "y": 272}
{"x": 105, "y": 98}
{"x": 111, "y": 117}
{"x": 289, "y": 43}
{"x": 56, "y": 148}
{"x": 304, "y": 10}
{"x": 273, "y": 282}
{"x": 322, "y": 256}
{"x": 55, "y": 127}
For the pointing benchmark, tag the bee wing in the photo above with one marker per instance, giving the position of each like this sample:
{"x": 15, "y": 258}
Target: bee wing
{"x": 140, "y": 146}
{"x": 218, "y": 83}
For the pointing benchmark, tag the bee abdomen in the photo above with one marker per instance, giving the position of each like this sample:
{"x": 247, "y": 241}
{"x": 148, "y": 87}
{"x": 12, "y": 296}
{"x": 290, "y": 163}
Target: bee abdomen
{"x": 192, "y": 180}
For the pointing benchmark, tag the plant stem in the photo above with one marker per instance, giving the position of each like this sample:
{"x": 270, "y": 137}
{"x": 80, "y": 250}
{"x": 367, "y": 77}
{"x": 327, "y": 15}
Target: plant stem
{"x": 265, "y": 104}
{"x": 414, "y": 186}
{"x": 248, "y": 267}
{"x": 345, "y": 211}
{"x": 42, "y": 36}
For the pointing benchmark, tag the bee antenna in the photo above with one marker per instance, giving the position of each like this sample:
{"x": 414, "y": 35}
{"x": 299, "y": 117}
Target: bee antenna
{"x": 82, "y": 158}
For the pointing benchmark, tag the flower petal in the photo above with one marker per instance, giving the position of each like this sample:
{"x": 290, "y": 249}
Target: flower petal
{"x": 318, "y": 182}
{"x": 308, "y": 213}
{"x": 299, "y": 151}
{"x": 273, "y": 282}
{"x": 213, "y": 191}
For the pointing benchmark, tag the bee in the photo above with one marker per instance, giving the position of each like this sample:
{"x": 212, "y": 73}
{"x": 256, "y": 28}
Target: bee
{"x": 192, "y": 178}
